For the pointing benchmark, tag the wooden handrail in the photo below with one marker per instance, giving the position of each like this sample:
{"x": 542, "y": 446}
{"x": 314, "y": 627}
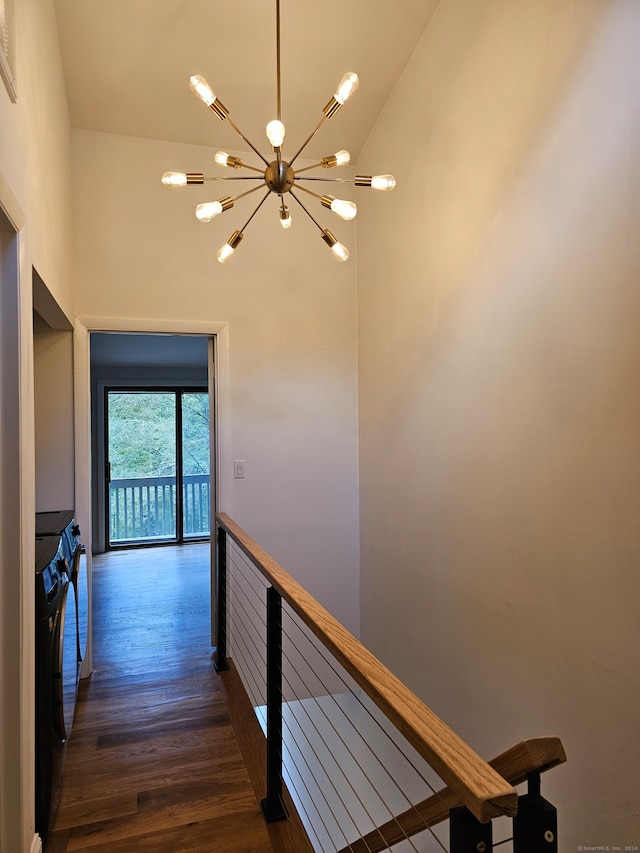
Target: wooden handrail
{"x": 528, "y": 756}
{"x": 476, "y": 785}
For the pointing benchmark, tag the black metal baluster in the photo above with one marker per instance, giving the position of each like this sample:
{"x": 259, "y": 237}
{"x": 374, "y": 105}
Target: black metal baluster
{"x": 273, "y": 804}
{"x": 221, "y": 664}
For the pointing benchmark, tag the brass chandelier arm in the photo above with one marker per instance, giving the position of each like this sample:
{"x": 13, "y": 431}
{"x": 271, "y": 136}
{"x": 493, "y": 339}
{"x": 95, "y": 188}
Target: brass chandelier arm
{"x": 268, "y": 193}
{"x": 328, "y": 162}
{"x": 233, "y": 177}
{"x": 345, "y": 209}
{"x": 250, "y": 144}
{"x": 328, "y": 180}
{"x": 315, "y": 222}
{"x": 309, "y": 192}
{"x": 308, "y": 168}
{"x": 248, "y": 192}
{"x": 253, "y": 168}
{"x": 308, "y": 139}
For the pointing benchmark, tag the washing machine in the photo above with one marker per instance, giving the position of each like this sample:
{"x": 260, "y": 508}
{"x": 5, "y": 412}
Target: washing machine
{"x": 62, "y": 523}
{"x": 56, "y": 674}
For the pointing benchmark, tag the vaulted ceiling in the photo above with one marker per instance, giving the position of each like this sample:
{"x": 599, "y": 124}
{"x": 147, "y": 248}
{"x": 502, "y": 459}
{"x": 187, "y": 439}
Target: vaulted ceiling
{"x": 127, "y": 64}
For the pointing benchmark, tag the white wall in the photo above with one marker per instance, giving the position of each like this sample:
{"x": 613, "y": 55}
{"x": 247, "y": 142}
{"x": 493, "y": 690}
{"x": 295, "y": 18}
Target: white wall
{"x": 141, "y": 253}
{"x": 35, "y": 146}
{"x": 499, "y": 358}
{"x": 54, "y": 435}
{"x": 35, "y": 192}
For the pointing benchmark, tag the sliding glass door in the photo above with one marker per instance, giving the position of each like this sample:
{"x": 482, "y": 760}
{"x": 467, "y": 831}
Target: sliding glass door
{"x": 195, "y": 464}
{"x": 157, "y": 470}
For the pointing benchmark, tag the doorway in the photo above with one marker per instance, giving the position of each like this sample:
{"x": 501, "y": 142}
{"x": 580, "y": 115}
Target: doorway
{"x": 136, "y": 375}
{"x": 157, "y": 476}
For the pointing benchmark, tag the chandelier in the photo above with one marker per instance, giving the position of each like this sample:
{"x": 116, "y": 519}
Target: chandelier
{"x": 278, "y": 176}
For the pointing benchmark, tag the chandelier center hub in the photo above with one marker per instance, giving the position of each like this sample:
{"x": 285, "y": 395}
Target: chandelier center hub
{"x": 279, "y": 177}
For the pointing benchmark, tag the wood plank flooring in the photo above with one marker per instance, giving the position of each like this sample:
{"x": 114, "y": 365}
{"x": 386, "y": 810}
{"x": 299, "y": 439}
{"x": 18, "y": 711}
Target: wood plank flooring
{"x": 153, "y": 763}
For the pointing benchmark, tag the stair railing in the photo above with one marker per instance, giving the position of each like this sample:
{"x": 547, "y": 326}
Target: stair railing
{"x": 354, "y": 748}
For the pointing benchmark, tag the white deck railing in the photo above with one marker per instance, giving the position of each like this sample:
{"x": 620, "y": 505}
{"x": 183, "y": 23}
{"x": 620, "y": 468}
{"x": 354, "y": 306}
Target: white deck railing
{"x": 144, "y": 508}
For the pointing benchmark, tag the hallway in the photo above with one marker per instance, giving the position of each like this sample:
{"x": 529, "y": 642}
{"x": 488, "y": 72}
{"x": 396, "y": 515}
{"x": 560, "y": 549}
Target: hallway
{"x": 153, "y": 762}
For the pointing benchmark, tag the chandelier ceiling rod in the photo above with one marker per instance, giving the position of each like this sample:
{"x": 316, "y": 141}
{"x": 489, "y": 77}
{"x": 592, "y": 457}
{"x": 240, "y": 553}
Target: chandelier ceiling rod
{"x": 278, "y": 75}
{"x": 279, "y": 176}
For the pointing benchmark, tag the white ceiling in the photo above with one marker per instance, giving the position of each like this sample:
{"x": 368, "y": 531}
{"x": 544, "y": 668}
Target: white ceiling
{"x": 127, "y": 64}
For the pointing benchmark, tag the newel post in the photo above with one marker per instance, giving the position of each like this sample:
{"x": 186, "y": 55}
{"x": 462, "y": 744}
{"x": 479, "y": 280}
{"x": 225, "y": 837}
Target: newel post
{"x": 221, "y": 664}
{"x": 273, "y": 805}
{"x": 535, "y": 827}
{"x": 467, "y": 834}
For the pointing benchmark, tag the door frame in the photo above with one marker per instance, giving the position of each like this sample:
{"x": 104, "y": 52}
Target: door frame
{"x": 222, "y": 482}
{"x": 17, "y": 518}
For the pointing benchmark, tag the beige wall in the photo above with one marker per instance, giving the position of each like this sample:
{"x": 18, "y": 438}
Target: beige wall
{"x": 291, "y": 314}
{"x": 499, "y": 368}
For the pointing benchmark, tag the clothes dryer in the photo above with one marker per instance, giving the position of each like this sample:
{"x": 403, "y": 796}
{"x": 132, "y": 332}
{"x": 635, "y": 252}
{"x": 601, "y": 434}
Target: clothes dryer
{"x": 62, "y": 523}
{"x": 56, "y": 674}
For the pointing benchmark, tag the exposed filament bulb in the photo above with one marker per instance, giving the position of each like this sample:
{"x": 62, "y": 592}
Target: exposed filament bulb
{"x": 181, "y": 179}
{"x": 285, "y": 217}
{"x": 345, "y": 209}
{"x": 377, "y": 182}
{"x": 224, "y": 159}
{"x": 275, "y": 133}
{"x": 340, "y": 158}
{"x": 383, "y": 182}
{"x": 347, "y": 86}
{"x": 340, "y": 252}
{"x": 201, "y": 89}
{"x": 205, "y": 212}
{"x": 229, "y": 247}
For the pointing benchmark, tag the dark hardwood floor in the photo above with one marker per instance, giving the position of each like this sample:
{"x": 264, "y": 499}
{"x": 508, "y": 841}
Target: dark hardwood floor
{"x": 153, "y": 763}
